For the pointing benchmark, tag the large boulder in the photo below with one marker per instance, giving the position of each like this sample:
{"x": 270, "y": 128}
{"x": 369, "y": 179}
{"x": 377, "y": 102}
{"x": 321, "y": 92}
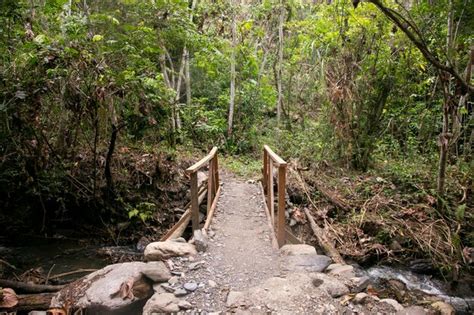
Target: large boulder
{"x": 167, "y": 249}
{"x": 306, "y": 263}
{"x": 161, "y": 303}
{"x": 118, "y": 289}
{"x": 297, "y": 249}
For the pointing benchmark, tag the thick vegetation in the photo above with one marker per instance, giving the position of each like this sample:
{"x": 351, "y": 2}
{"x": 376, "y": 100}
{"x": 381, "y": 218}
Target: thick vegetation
{"x": 98, "y": 99}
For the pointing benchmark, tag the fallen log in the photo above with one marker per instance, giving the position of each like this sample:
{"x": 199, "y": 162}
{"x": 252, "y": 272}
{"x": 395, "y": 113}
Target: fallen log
{"x": 29, "y": 302}
{"x": 25, "y": 287}
{"x": 325, "y": 244}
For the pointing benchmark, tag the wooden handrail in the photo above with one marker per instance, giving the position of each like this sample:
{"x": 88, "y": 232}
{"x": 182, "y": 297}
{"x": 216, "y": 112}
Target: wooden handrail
{"x": 270, "y": 159}
{"x": 197, "y": 196}
{"x": 276, "y": 159}
{"x": 213, "y": 190}
{"x": 198, "y": 165}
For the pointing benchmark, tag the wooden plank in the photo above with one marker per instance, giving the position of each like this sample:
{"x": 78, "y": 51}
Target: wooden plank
{"x": 281, "y": 204}
{"x": 216, "y": 168}
{"x": 291, "y": 238}
{"x": 194, "y": 201}
{"x": 269, "y": 220}
{"x": 270, "y": 200}
{"x": 265, "y": 169}
{"x": 194, "y": 168}
{"x": 278, "y": 160}
{"x": 178, "y": 229}
{"x": 210, "y": 187}
{"x": 210, "y": 213}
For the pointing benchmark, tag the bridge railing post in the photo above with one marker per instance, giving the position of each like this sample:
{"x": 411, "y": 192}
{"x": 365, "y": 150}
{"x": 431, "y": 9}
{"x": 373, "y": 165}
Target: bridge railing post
{"x": 281, "y": 204}
{"x": 194, "y": 201}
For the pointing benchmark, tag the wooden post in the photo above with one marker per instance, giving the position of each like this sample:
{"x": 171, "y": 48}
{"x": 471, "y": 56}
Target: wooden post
{"x": 265, "y": 170}
{"x": 210, "y": 186}
{"x": 271, "y": 207}
{"x": 216, "y": 169}
{"x": 194, "y": 201}
{"x": 281, "y": 204}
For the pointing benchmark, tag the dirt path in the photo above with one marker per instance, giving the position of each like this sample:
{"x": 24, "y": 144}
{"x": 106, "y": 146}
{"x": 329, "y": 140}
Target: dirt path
{"x": 240, "y": 254}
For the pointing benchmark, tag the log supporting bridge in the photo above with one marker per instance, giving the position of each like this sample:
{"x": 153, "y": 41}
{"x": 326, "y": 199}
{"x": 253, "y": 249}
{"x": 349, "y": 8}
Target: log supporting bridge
{"x": 272, "y": 164}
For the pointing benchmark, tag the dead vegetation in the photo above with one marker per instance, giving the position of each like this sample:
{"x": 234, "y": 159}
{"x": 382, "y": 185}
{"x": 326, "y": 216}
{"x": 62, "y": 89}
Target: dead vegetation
{"x": 370, "y": 219}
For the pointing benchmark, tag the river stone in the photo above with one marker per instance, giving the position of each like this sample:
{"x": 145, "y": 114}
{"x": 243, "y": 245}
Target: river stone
{"x": 167, "y": 249}
{"x": 200, "y": 241}
{"x": 359, "y": 298}
{"x": 346, "y": 271}
{"x": 443, "y": 308}
{"x": 332, "y": 286}
{"x": 393, "y": 303}
{"x": 297, "y": 249}
{"x": 161, "y": 303}
{"x": 108, "y": 290}
{"x": 180, "y": 292}
{"x": 233, "y": 297}
{"x": 190, "y": 286}
{"x": 184, "y": 305}
{"x": 360, "y": 284}
{"x": 307, "y": 263}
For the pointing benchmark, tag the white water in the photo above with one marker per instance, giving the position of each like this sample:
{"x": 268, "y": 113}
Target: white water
{"x": 422, "y": 283}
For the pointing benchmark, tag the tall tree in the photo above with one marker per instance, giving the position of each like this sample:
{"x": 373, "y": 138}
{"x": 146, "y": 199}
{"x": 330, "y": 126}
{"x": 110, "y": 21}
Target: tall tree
{"x": 230, "y": 120}
{"x": 281, "y": 18}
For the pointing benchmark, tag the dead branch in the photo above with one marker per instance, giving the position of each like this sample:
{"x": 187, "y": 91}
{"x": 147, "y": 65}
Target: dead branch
{"x": 29, "y": 287}
{"x": 328, "y": 248}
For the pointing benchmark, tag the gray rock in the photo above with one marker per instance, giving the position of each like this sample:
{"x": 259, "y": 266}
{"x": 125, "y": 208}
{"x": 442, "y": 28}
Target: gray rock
{"x": 360, "y": 298}
{"x": 360, "y": 283}
{"x": 412, "y": 310}
{"x": 393, "y": 303}
{"x": 233, "y": 297}
{"x": 307, "y": 263}
{"x": 195, "y": 265}
{"x": 297, "y": 249}
{"x": 185, "y": 305}
{"x": 200, "y": 241}
{"x": 334, "y": 287}
{"x": 167, "y": 287}
{"x": 333, "y": 266}
{"x": 173, "y": 280}
{"x": 190, "y": 286}
{"x": 167, "y": 249}
{"x": 180, "y": 292}
{"x": 443, "y": 308}
{"x": 161, "y": 303}
{"x": 346, "y": 271}
{"x": 212, "y": 284}
{"x": 101, "y": 289}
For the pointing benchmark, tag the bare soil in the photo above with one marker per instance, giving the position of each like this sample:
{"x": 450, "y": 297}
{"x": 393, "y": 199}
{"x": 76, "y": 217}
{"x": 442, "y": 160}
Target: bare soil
{"x": 240, "y": 254}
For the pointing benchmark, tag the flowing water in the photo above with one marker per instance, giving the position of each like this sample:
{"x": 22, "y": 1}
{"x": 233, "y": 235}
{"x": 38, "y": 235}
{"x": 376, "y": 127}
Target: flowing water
{"x": 462, "y": 301}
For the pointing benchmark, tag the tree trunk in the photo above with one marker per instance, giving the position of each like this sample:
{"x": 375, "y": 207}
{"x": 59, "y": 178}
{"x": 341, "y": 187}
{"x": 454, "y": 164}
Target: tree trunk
{"x": 444, "y": 137}
{"x": 232, "y": 74}
{"x": 108, "y": 161}
{"x": 280, "y": 61}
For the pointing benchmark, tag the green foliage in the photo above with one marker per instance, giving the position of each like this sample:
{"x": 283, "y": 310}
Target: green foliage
{"x": 143, "y": 210}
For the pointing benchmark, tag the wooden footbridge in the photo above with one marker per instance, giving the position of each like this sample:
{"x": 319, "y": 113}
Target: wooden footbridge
{"x": 272, "y": 165}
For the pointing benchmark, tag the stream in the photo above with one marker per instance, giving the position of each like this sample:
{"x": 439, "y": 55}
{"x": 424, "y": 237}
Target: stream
{"x": 462, "y": 299}
{"x": 57, "y": 256}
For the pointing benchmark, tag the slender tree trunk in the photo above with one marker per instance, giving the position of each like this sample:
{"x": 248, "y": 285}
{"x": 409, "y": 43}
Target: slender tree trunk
{"x": 232, "y": 74}
{"x": 187, "y": 80}
{"x": 444, "y": 137}
{"x": 187, "y": 72}
{"x": 280, "y": 61}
